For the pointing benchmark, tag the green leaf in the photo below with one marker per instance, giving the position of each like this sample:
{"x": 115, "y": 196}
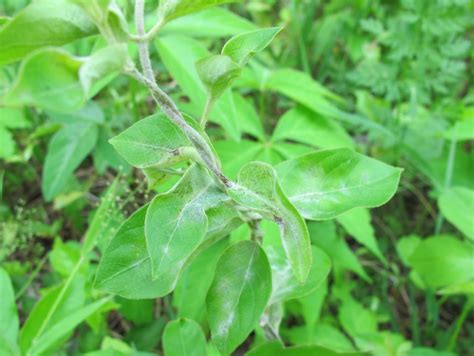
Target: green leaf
{"x": 9, "y": 322}
{"x": 126, "y": 259}
{"x": 7, "y": 148}
{"x": 66, "y": 150}
{"x": 179, "y": 55}
{"x": 48, "y": 79}
{"x": 457, "y": 205}
{"x": 324, "y": 235}
{"x": 55, "y": 80}
{"x": 217, "y": 73}
{"x": 258, "y": 189}
{"x": 176, "y": 222}
{"x": 238, "y": 295}
{"x": 357, "y": 223}
{"x": 13, "y": 118}
{"x": 306, "y": 126}
{"x": 462, "y": 130}
{"x": 41, "y": 24}
{"x": 355, "y": 319}
{"x": 184, "y": 337}
{"x": 285, "y": 286}
{"x": 244, "y": 46}
{"x": 325, "y": 184}
{"x": 153, "y": 141}
{"x": 61, "y": 301}
{"x": 272, "y": 348}
{"x": 64, "y": 327}
{"x": 171, "y": 9}
{"x": 196, "y": 280}
{"x": 442, "y": 261}
{"x": 213, "y": 22}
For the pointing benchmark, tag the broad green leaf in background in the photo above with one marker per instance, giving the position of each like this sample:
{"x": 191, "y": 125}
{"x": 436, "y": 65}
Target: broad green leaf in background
{"x": 176, "y": 222}
{"x": 213, "y": 22}
{"x": 171, "y": 9}
{"x": 55, "y": 80}
{"x": 184, "y": 337}
{"x": 462, "y": 130}
{"x": 238, "y": 295}
{"x": 259, "y": 189}
{"x": 7, "y": 148}
{"x": 66, "y": 150}
{"x": 243, "y": 47}
{"x": 325, "y": 184}
{"x": 357, "y": 223}
{"x": 217, "y": 72}
{"x": 306, "y": 126}
{"x": 125, "y": 267}
{"x": 9, "y": 322}
{"x": 48, "y": 79}
{"x": 153, "y": 141}
{"x": 442, "y": 261}
{"x": 43, "y": 23}
{"x": 355, "y": 319}
{"x": 457, "y": 205}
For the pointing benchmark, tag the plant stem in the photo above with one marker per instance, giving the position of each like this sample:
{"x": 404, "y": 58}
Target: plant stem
{"x": 31, "y": 278}
{"x": 447, "y": 181}
{"x": 167, "y": 105}
{"x": 207, "y": 110}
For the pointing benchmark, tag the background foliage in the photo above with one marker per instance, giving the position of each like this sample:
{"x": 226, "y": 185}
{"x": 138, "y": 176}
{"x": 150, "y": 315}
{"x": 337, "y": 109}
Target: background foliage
{"x": 388, "y": 79}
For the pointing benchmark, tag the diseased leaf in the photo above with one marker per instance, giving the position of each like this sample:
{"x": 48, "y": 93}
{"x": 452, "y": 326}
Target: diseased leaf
{"x": 66, "y": 150}
{"x": 9, "y": 322}
{"x": 171, "y": 9}
{"x": 125, "y": 267}
{"x": 176, "y": 222}
{"x": 184, "y": 337}
{"x": 259, "y": 189}
{"x": 457, "y": 205}
{"x": 442, "y": 261}
{"x": 238, "y": 295}
{"x": 325, "y": 184}
{"x": 285, "y": 286}
{"x": 41, "y": 24}
{"x": 217, "y": 73}
{"x": 154, "y": 141}
{"x": 243, "y": 47}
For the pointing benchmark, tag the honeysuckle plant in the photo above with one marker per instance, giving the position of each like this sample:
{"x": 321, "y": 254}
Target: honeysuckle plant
{"x": 150, "y": 252}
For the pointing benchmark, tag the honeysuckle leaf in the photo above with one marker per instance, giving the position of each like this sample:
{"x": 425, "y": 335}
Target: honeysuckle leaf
{"x": 125, "y": 267}
{"x": 176, "y": 222}
{"x": 41, "y": 24}
{"x": 171, "y": 9}
{"x": 243, "y": 47}
{"x": 259, "y": 189}
{"x": 238, "y": 294}
{"x": 457, "y": 205}
{"x": 9, "y": 322}
{"x": 325, "y": 184}
{"x": 153, "y": 141}
{"x": 285, "y": 286}
{"x": 66, "y": 150}
{"x": 184, "y": 337}
{"x": 217, "y": 73}
{"x": 55, "y": 80}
